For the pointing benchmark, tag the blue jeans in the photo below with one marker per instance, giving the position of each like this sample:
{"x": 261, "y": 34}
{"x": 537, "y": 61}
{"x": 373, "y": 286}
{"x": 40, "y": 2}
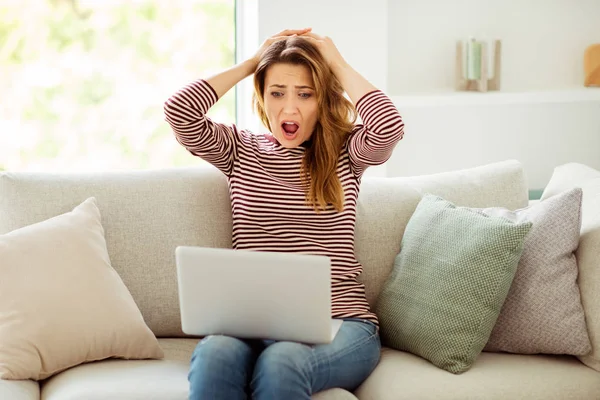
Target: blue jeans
{"x": 224, "y": 367}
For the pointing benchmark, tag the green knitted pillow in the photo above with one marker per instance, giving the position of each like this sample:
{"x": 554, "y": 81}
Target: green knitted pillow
{"x": 449, "y": 282}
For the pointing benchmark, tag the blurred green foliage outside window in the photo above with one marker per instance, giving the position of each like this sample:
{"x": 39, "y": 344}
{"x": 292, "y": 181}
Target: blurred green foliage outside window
{"x": 82, "y": 83}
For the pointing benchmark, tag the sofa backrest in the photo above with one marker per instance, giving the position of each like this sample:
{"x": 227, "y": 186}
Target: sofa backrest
{"x": 147, "y": 214}
{"x": 386, "y": 205}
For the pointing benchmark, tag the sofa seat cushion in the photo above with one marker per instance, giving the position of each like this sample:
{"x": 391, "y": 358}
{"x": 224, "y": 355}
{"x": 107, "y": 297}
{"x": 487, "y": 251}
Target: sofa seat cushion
{"x": 19, "y": 390}
{"x": 164, "y": 379}
{"x": 493, "y": 376}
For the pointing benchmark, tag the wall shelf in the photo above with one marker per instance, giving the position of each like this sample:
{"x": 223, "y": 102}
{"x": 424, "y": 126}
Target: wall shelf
{"x": 459, "y": 98}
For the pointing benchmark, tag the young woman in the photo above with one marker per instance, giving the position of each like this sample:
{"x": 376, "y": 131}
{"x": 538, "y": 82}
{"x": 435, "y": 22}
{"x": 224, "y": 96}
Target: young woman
{"x": 292, "y": 190}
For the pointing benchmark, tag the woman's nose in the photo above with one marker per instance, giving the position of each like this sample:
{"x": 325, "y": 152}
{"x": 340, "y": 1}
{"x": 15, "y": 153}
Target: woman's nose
{"x": 290, "y": 106}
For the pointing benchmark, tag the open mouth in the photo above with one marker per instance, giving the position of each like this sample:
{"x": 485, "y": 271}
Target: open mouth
{"x": 290, "y": 129}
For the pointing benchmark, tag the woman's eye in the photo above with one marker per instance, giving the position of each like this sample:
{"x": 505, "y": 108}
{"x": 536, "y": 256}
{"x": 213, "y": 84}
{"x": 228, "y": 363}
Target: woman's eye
{"x": 276, "y": 94}
{"x": 305, "y": 95}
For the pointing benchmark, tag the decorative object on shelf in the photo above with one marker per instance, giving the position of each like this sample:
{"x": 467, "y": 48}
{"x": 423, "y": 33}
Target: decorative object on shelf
{"x": 478, "y": 65}
{"x": 591, "y": 65}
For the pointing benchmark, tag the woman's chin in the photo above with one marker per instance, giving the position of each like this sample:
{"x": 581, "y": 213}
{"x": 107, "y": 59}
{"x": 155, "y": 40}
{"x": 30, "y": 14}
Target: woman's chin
{"x": 289, "y": 141}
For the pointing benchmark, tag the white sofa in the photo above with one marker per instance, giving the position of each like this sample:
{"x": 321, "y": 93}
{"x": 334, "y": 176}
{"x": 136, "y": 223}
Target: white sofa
{"x": 146, "y": 214}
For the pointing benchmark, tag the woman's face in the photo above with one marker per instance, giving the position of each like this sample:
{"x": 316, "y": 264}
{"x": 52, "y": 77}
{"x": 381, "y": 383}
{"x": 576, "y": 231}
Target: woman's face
{"x": 290, "y": 103}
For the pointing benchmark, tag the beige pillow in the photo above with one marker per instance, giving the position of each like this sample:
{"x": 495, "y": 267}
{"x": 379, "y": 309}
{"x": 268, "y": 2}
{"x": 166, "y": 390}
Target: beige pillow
{"x": 61, "y": 302}
{"x": 563, "y": 178}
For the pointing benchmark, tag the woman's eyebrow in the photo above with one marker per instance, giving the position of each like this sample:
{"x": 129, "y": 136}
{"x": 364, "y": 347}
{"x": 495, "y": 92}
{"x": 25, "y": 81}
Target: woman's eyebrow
{"x": 297, "y": 86}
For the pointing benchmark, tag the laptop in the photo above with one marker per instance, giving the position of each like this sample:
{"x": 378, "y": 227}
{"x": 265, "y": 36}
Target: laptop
{"x": 255, "y": 294}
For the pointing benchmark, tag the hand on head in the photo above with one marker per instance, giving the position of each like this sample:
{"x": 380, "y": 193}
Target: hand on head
{"x": 327, "y": 48}
{"x": 323, "y": 43}
{"x": 277, "y": 37}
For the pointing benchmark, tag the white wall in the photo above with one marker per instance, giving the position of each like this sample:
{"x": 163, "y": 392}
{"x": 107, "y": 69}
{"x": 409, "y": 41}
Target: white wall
{"x": 543, "y": 41}
{"x": 358, "y": 28}
{"x": 540, "y": 134}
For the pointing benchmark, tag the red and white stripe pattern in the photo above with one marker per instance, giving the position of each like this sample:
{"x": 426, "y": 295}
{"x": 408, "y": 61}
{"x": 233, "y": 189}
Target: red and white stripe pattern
{"x": 267, "y": 197}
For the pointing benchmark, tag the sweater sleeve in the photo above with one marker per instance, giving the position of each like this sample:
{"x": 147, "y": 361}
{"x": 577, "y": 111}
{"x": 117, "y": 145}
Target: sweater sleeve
{"x": 373, "y": 141}
{"x": 185, "y": 111}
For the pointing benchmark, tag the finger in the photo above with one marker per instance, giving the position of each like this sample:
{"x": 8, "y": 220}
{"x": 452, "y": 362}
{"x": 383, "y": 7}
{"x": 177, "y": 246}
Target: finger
{"x": 312, "y": 39}
{"x": 289, "y": 32}
{"x": 277, "y": 38}
{"x": 313, "y": 35}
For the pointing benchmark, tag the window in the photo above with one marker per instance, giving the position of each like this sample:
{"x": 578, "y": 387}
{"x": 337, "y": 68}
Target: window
{"x": 82, "y": 83}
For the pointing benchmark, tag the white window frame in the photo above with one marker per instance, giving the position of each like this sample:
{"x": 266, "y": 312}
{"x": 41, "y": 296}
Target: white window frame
{"x": 246, "y": 45}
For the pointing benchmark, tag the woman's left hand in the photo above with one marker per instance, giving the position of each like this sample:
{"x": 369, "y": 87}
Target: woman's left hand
{"x": 353, "y": 82}
{"x": 327, "y": 48}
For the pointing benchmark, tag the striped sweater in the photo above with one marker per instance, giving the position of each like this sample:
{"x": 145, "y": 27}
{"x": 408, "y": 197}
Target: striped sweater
{"x": 267, "y": 196}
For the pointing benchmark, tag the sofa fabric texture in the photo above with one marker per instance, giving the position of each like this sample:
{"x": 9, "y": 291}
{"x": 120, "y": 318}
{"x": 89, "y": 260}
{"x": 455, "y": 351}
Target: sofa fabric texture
{"x": 494, "y": 376}
{"x": 139, "y": 380}
{"x": 146, "y": 214}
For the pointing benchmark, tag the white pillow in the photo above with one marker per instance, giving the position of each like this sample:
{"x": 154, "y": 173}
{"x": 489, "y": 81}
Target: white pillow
{"x": 61, "y": 302}
{"x": 565, "y": 177}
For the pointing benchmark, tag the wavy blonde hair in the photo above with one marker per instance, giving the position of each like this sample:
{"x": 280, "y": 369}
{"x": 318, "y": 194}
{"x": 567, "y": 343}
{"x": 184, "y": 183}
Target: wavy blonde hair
{"x": 335, "y": 119}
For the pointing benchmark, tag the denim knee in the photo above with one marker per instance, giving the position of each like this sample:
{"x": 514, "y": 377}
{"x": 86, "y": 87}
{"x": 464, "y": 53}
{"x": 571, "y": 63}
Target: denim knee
{"x": 284, "y": 368}
{"x": 224, "y": 351}
{"x": 220, "y": 369}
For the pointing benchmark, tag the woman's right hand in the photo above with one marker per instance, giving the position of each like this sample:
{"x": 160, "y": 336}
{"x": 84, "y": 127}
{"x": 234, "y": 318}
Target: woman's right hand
{"x": 275, "y": 38}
